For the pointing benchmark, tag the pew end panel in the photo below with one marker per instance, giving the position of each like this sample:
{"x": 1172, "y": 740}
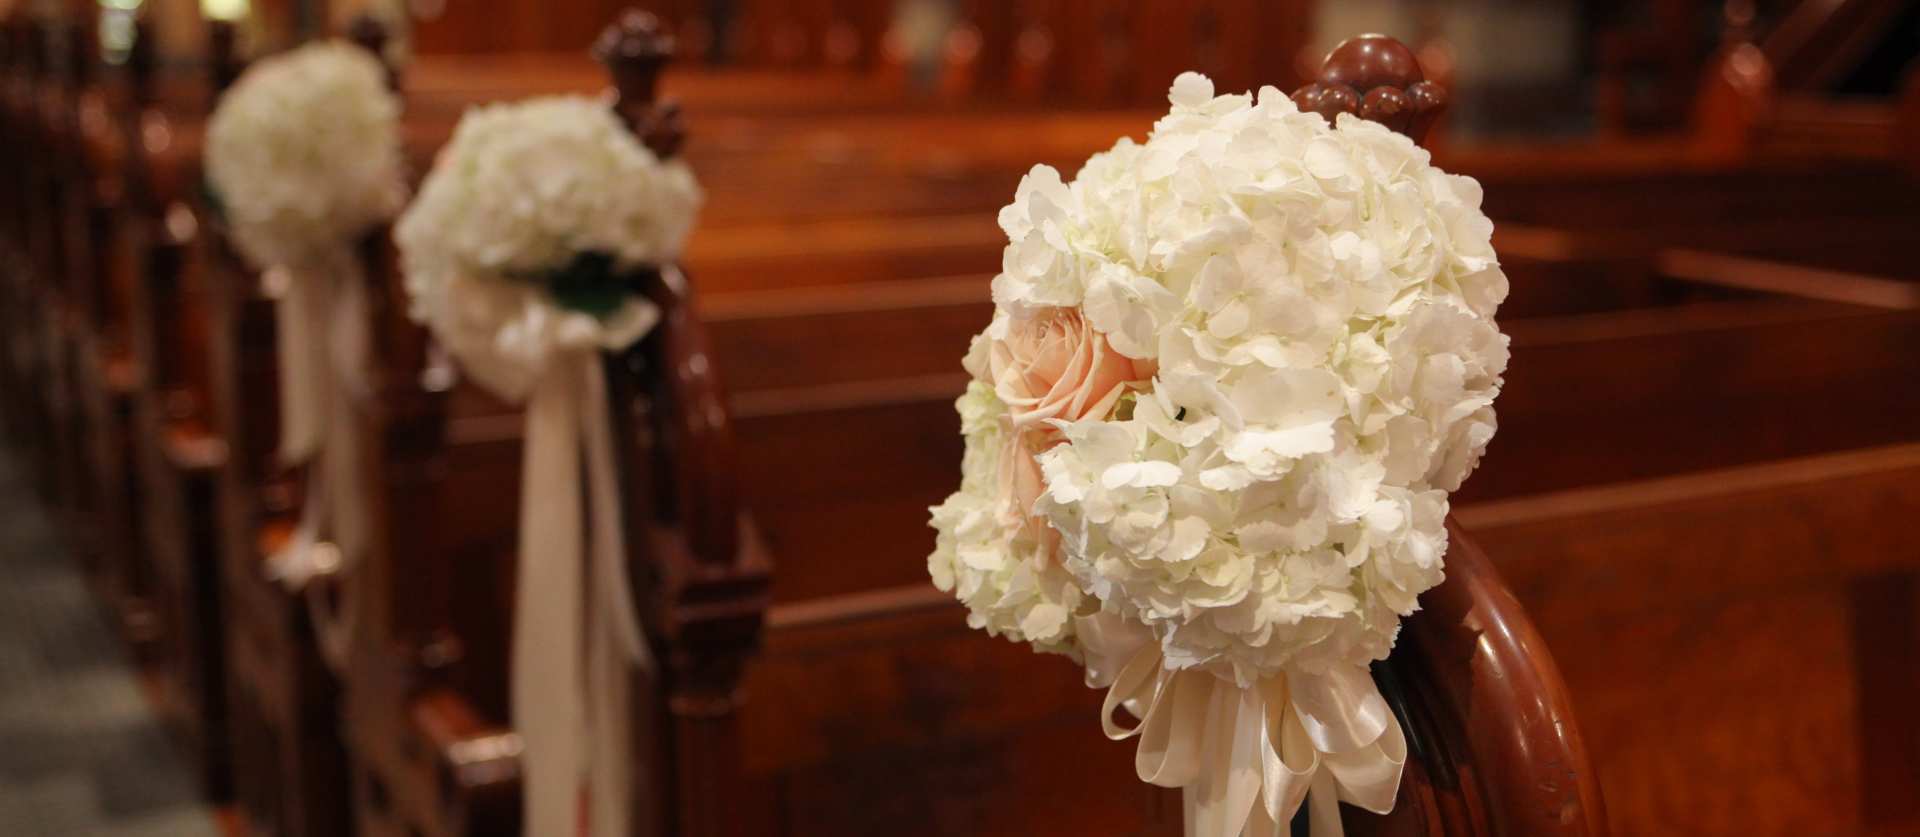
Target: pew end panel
{"x": 1488, "y": 718}
{"x": 701, "y": 570}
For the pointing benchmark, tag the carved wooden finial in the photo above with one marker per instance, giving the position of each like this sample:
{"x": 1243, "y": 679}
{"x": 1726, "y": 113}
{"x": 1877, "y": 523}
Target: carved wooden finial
{"x": 635, "y": 49}
{"x": 368, "y": 32}
{"x": 142, "y": 60}
{"x": 1378, "y": 78}
{"x": 11, "y": 57}
{"x": 34, "y": 49}
{"x": 223, "y": 53}
{"x": 83, "y": 53}
{"x": 1736, "y": 21}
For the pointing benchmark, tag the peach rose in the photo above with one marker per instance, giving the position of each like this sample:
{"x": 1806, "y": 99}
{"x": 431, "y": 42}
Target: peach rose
{"x": 1048, "y": 367}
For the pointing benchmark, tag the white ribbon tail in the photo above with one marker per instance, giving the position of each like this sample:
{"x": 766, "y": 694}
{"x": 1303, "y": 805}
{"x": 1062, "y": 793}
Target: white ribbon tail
{"x": 301, "y": 303}
{"x": 576, "y": 632}
{"x": 341, "y": 465}
{"x": 546, "y": 631}
{"x": 323, "y": 349}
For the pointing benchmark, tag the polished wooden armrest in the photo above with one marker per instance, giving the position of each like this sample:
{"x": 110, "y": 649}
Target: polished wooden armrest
{"x": 274, "y": 535}
{"x": 473, "y": 757}
{"x": 1491, "y": 732}
{"x": 190, "y": 446}
{"x": 121, "y": 372}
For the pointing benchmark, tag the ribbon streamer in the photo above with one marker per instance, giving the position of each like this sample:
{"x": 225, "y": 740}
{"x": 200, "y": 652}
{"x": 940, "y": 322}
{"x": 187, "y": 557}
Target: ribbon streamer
{"x": 570, "y": 677}
{"x": 323, "y": 346}
{"x": 1246, "y": 758}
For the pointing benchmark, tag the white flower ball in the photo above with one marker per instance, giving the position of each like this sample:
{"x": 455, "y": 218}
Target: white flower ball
{"x": 303, "y": 154}
{"x": 521, "y": 191}
{"x": 1316, "y": 302}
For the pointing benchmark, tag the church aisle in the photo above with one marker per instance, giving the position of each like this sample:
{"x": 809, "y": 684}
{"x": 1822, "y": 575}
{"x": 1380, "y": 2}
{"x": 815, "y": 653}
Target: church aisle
{"x": 81, "y": 752}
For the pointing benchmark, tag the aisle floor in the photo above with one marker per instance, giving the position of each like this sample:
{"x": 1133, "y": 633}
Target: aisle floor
{"x": 81, "y": 752}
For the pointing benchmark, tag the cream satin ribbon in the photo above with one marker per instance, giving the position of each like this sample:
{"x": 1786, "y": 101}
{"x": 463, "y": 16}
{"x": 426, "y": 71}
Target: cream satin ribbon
{"x": 1246, "y": 758}
{"x": 575, "y": 628}
{"x": 322, "y": 331}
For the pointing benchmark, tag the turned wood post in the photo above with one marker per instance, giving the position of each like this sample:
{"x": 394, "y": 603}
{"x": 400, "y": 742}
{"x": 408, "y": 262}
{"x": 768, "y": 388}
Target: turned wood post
{"x": 371, "y": 34}
{"x": 700, "y": 575}
{"x": 224, "y": 64}
{"x": 142, "y": 59}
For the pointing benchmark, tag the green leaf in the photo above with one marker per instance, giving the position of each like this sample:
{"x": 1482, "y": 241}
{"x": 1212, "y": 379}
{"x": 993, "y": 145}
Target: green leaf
{"x": 590, "y": 284}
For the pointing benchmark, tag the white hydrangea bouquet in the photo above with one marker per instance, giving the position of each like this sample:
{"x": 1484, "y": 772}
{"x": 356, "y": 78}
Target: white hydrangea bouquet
{"x": 303, "y": 152}
{"x": 302, "y": 160}
{"x": 524, "y": 254}
{"x": 1231, "y": 377}
{"x": 513, "y": 249}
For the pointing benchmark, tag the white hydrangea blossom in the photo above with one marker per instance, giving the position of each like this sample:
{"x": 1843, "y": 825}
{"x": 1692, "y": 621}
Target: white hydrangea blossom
{"x": 518, "y": 193}
{"x": 983, "y": 554}
{"x": 1318, "y": 302}
{"x": 304, "y": 153}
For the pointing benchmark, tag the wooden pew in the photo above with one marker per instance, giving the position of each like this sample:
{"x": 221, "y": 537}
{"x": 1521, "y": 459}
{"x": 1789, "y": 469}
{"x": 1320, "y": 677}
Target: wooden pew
{"x": 851, "y": 248}
{"x": 947, "y": 171}
{"x": 1741, "y": 640}
{"x": 50, "y": 162}
{"x": 734, "y": 260}
{"x": 72, "y": 384}
{"x": 460, "y": 742}
{"x": 1655, "y": 336}
{"x": 18, "y": 136}
{"x": 886, "y": 383}
{"x": 289, "y": 762}
{"x": 426, "y": 703}
{"x": 104, "y": 374}
{"x": 971, "y": 735}
{"x": 819, "y": 753}
{"x": 179, "y": 457}
{"x": 1780, "y": 92}
{"x": 287, "y": 697}
{"x": 838, "y": 809}
{"x": 975, "y": 763}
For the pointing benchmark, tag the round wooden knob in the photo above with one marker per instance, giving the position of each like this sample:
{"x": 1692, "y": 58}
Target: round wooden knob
{"x": 1369, "y": 61}
{"x": 1376, "y": 78}
{"x": 1389, "y": 106}
{"x": 1428, "y": 98}
{"x": 1328, "y": 100}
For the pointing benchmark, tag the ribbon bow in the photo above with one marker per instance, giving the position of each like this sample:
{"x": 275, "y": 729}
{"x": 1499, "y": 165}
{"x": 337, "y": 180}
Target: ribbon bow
{"x": 1247, "y": 757}
{"x": 323, "y": 347}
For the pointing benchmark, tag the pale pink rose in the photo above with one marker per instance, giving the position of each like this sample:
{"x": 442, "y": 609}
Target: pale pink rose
{"x": 1053, "y": 366}
{"x": 1056, "y": 366}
